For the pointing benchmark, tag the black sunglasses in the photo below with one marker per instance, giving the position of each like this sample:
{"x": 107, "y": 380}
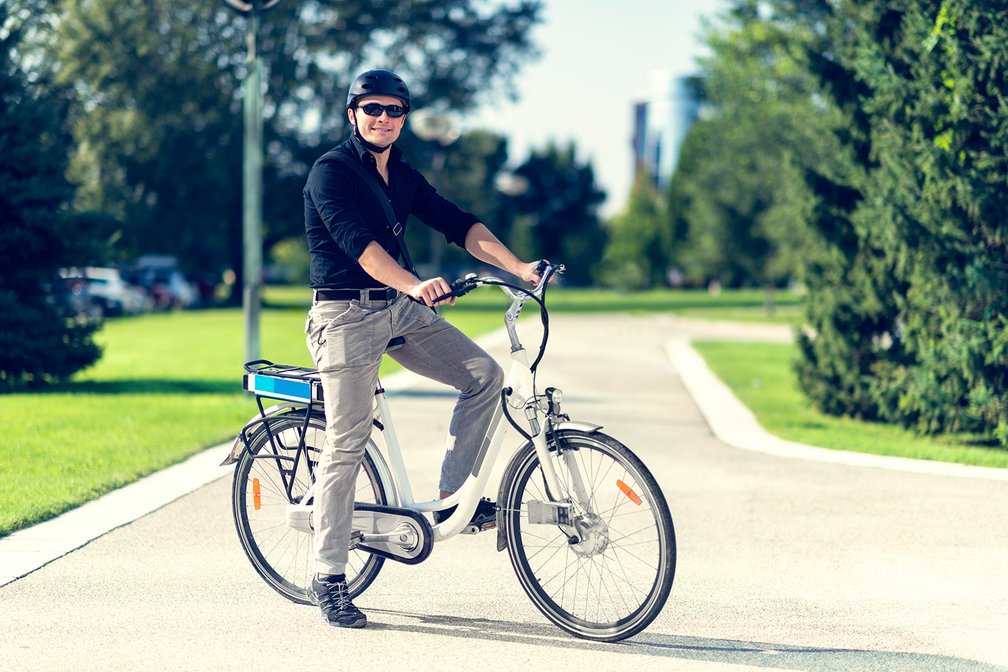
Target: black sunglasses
{"x": 376, "y": 109}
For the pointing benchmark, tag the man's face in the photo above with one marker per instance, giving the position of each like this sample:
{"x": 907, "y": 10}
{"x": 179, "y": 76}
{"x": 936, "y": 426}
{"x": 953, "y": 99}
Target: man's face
{"x": 382, "y": 130}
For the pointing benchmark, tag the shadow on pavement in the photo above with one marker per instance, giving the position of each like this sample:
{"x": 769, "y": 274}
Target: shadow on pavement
{"x": 727, "y": 651}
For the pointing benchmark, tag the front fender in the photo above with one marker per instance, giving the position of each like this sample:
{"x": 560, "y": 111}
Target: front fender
{"x": 586, "y": 427}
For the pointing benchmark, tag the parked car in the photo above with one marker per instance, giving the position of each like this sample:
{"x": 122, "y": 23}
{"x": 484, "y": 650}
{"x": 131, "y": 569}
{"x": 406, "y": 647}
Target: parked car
{"x": 110, "y": 292}
{"x": 161, "y": 277}
{"x": 73, "y": 293}
{"x": 172, "y": 289}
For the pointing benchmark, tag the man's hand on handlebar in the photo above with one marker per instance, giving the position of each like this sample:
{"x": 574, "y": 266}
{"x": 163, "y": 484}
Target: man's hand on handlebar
{"x": 437, "y": 291}
{"x": 532, "y": 272}
{"x": 428, "y": 291}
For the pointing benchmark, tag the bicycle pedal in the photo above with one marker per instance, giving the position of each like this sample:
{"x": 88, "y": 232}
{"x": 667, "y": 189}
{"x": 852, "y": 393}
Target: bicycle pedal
{"x": 473, "y": 528}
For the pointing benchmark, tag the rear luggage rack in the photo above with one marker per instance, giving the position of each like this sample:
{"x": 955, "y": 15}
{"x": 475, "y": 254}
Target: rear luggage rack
{"x": 263, "y": 378}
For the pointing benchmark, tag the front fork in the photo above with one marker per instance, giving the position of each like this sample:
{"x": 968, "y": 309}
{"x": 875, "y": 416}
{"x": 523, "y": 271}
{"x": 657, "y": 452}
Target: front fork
{"x": 560, "y": 510}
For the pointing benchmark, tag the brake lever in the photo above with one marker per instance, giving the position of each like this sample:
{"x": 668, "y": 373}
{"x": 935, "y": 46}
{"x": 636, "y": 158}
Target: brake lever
{"x": 546, "y": 271}
{"x": 459, "y": 287}
{"x": 463, "y": 286}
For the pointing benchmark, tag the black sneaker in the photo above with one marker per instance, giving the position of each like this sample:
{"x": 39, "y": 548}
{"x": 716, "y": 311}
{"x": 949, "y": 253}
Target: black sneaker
{"x": 333, "y": 597}
{"x": 484, "y": 518}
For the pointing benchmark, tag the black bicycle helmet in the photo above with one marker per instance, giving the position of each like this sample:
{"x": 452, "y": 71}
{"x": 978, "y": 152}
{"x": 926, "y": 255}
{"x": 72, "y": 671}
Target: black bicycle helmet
{"x": 378, "y": 83}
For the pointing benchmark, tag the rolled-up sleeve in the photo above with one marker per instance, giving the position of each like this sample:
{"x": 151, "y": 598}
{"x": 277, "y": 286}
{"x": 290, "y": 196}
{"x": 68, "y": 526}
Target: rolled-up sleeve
{"x": 331, "y": 191}
{"x": 441, "y": 214}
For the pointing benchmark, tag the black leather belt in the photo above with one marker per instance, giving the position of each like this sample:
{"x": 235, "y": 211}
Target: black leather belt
{"x": 386, "y": 294}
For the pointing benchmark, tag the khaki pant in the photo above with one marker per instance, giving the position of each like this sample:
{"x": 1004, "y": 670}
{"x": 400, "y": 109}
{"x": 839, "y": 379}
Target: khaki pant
{"x": 346, "y": 340}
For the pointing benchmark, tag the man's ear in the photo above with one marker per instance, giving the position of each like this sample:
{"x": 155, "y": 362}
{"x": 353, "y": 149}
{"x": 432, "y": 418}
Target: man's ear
{"x": 351, "y": 116}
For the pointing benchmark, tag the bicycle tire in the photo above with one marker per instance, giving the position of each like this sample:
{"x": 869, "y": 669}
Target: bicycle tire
{"x": 283, "y": 556}
{"x": 614, "y": 582}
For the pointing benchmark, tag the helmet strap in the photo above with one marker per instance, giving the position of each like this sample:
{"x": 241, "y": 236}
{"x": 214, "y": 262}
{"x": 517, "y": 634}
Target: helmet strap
{"x": 367, "y": 145}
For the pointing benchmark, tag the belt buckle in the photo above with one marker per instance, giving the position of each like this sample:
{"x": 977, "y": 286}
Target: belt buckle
{"x": 390, "y": 294}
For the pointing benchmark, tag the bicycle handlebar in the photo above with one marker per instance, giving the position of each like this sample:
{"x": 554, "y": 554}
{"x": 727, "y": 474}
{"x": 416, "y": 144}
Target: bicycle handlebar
{"x": 463, "y": 286}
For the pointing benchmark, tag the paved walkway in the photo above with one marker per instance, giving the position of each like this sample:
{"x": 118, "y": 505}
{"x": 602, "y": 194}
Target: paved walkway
{"x": 787, "y": 559}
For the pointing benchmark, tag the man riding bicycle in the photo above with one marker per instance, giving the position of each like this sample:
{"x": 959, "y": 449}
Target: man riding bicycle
{"x": 363, "y": 299}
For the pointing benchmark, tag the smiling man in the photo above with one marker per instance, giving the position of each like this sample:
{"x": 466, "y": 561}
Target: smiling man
{"x": 363, "y": 299}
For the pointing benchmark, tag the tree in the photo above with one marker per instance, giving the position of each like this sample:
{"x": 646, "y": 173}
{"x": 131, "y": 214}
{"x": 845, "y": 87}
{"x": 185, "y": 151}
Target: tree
{"x": 737, "y": 202}
{"x": 892, "y": 117}
{"x": 158, "y": 122}
{"x": 639, "y": 247}
{"x": 906, "y": 293}
{"x": 935, "y": 207}
{"x": 40, "y": 339}
{"x": 559, "y": 211}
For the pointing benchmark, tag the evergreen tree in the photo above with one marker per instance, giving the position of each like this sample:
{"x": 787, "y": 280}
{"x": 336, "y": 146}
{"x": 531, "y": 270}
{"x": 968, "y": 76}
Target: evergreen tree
{"x": 909, "y": 312}
{"x": 937, "y": 198}
{"x": 886, "y": 123}
{"x": 40, "y": 338}
{"x": 850, "y": 311}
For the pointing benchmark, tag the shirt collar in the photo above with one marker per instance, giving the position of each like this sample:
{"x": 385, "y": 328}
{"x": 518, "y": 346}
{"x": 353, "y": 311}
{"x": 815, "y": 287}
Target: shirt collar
{"x": 364, "y": 155}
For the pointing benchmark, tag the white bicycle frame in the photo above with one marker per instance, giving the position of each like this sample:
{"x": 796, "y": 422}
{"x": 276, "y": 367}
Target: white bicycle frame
{"x": 519, "y": 380}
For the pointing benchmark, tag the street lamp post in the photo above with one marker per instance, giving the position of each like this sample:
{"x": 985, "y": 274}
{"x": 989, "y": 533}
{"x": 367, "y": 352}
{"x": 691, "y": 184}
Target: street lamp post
{"x": 252, "y": 176}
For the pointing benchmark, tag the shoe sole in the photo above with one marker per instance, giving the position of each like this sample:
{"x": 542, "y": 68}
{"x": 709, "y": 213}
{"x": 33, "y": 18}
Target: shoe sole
{"x": 358, "y": 624}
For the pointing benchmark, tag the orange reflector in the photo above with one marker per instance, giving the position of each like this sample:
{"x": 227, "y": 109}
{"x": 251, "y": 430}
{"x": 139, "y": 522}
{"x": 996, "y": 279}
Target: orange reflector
{"x": 628, "y": 491}
{"x": 256, "y": 494}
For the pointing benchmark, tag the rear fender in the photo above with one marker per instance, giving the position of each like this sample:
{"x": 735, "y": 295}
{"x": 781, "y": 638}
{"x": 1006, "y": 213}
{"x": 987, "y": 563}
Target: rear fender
{"x": 381, "y": 466}
{"x": 239, "y": 445}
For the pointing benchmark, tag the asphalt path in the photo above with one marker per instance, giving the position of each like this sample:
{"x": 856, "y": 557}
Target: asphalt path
{"x": 783, "y": 563}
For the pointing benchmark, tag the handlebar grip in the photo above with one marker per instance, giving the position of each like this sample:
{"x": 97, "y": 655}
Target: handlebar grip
{"x": 441, "y": 298}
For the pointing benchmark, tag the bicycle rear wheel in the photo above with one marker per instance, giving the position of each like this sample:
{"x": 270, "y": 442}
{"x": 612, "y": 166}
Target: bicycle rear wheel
{"x": 613, "y": 578}
{"x": 282, "y": 555}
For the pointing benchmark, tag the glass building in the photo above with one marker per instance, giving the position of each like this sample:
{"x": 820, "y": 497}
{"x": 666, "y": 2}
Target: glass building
{"x": 661, "y": 121}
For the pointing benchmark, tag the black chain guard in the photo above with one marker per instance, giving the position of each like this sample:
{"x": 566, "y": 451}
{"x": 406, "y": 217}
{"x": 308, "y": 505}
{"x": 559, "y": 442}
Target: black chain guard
{"x": 376, "y": 519}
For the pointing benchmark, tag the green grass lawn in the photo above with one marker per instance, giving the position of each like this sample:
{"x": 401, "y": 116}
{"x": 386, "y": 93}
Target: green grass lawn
{"x": 761, "y": 376}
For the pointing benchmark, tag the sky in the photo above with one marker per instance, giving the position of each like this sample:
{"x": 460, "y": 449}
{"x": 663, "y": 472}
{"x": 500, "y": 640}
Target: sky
{"x": 596, "y": 58}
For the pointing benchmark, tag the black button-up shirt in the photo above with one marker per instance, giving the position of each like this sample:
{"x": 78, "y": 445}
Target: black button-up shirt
{"x": 343, "y": 215}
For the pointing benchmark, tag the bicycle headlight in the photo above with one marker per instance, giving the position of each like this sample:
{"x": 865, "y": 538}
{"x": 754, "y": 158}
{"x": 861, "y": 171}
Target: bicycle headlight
{"x": 555, "y": 396}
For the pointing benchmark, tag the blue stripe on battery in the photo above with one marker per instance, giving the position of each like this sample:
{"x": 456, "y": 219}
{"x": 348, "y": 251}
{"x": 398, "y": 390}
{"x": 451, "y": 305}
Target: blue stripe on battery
{"x": 281, "y": 388}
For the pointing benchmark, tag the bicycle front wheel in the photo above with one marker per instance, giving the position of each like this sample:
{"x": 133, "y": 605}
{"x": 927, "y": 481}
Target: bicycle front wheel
{"x": 269, "y": 476}
{"x": 611, "y": 578}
